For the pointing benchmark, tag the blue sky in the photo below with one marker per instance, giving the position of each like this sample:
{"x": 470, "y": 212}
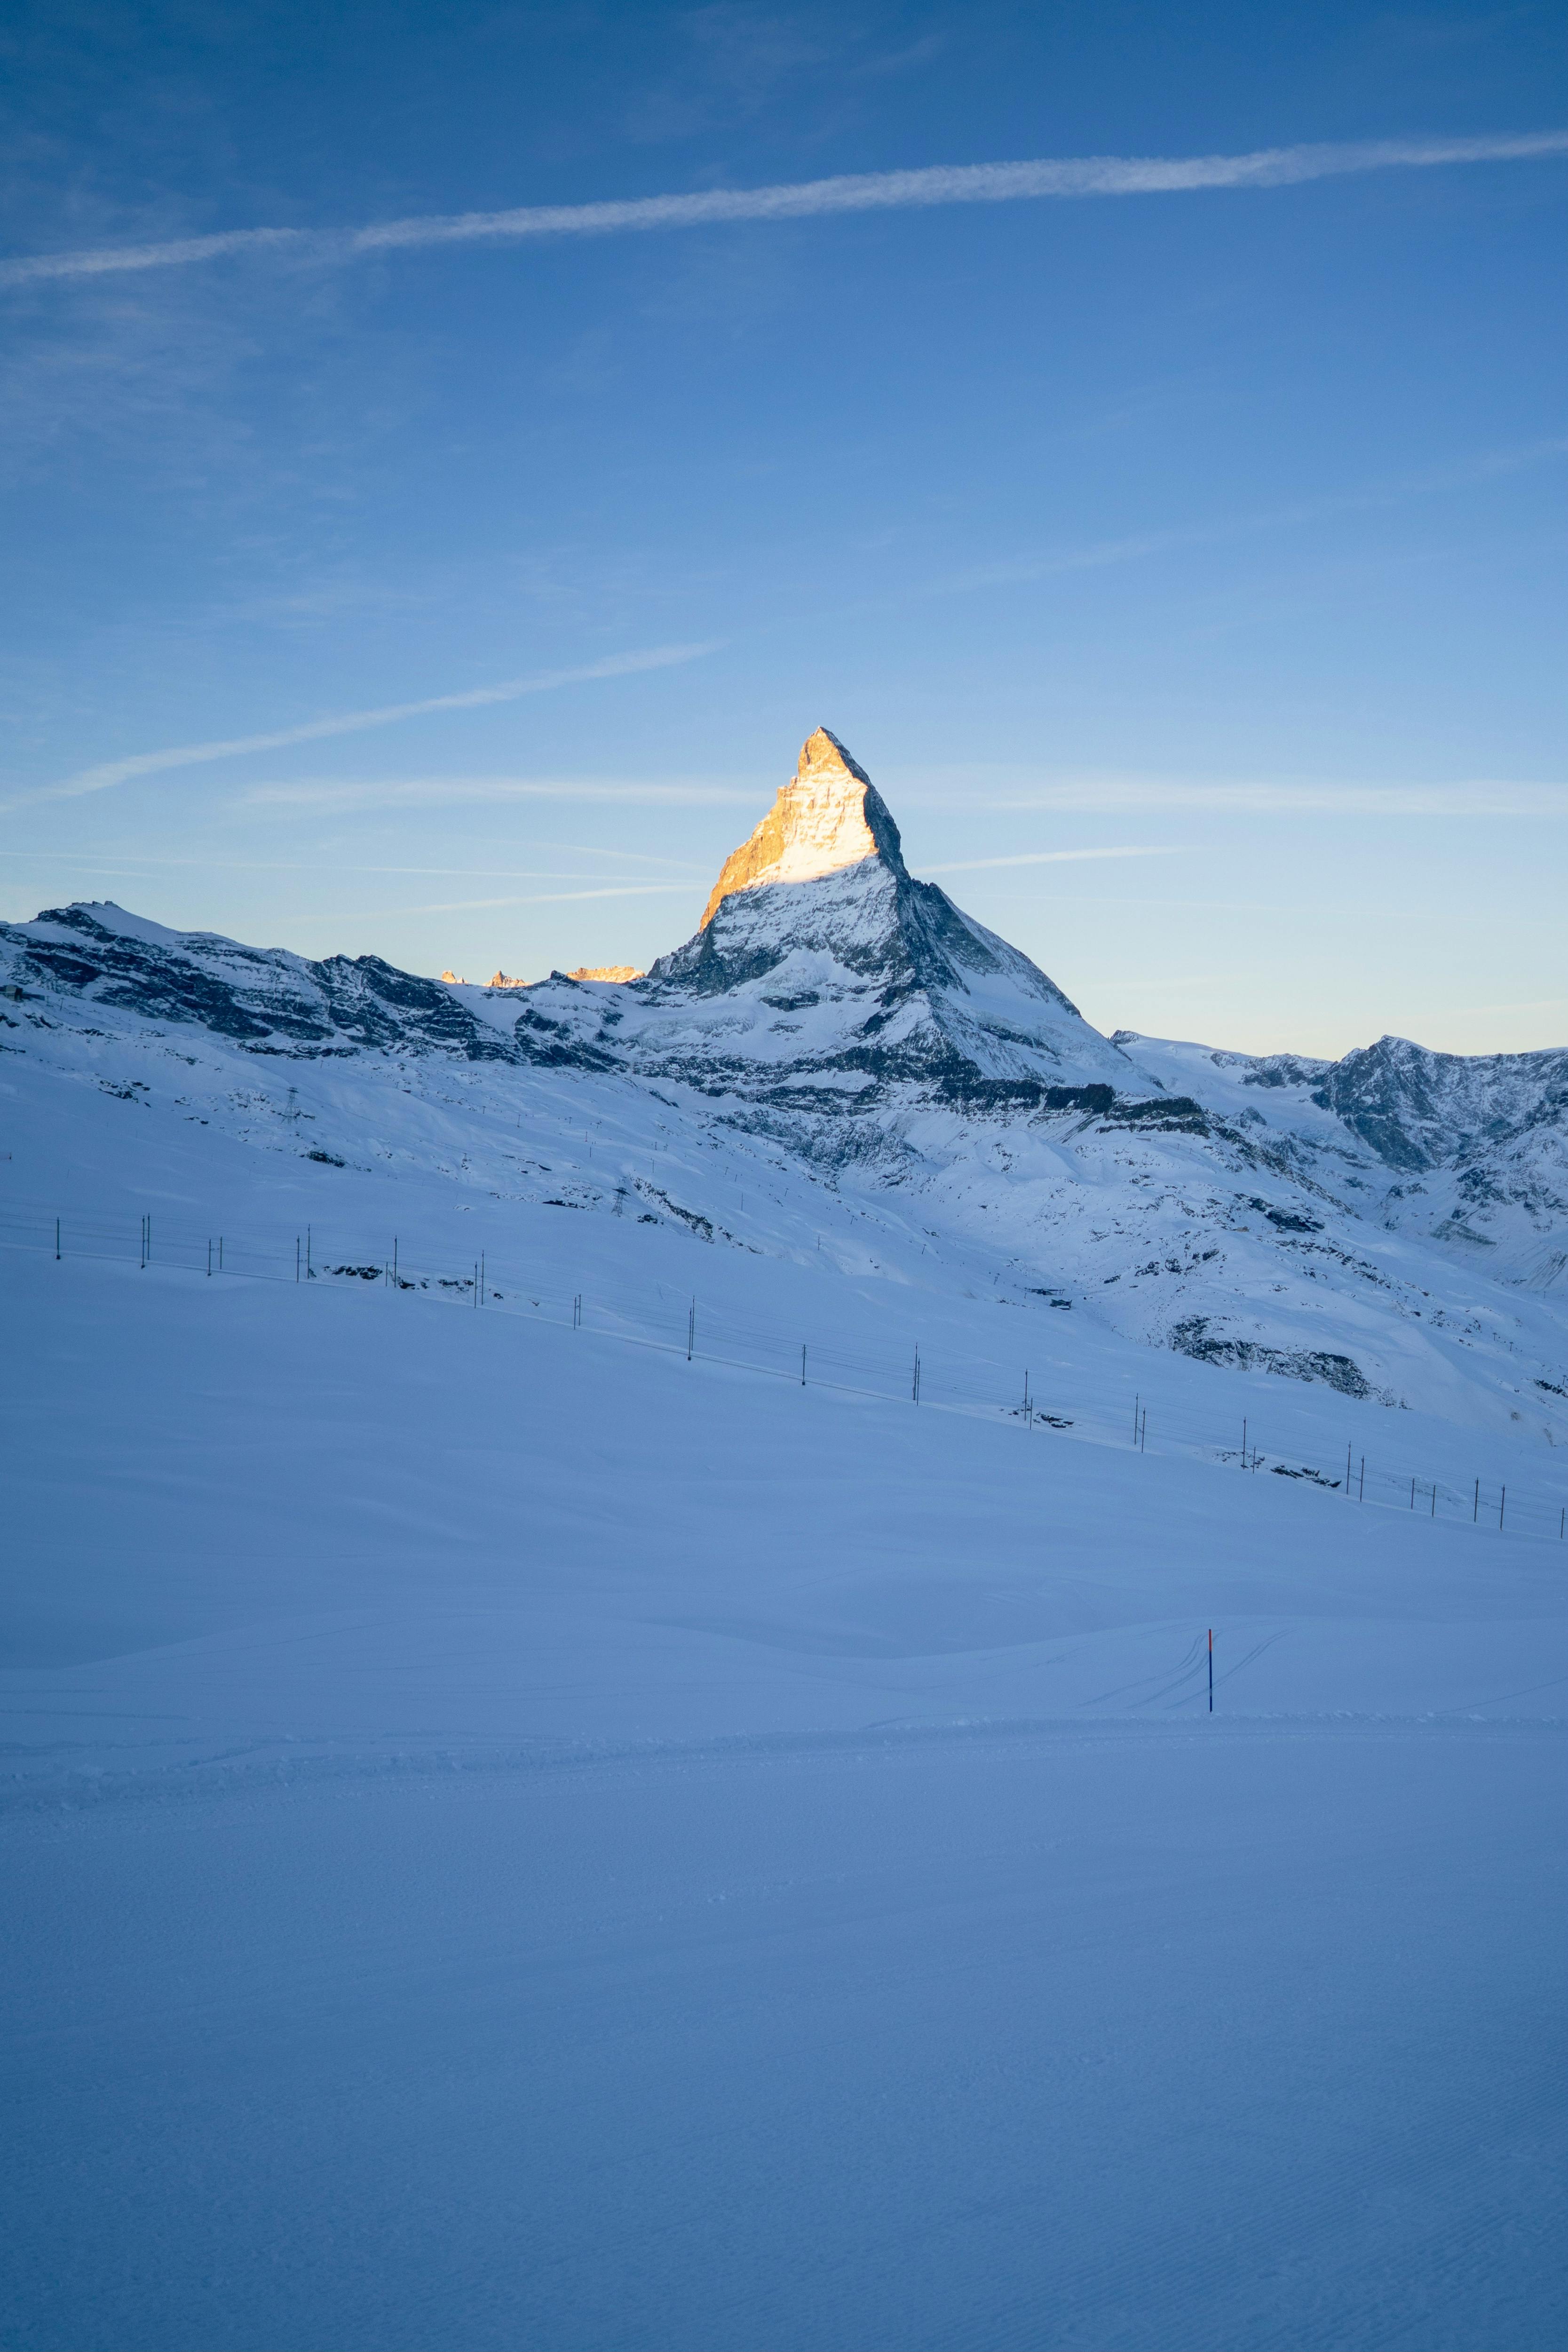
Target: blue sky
{"x": 1186, "y": 564}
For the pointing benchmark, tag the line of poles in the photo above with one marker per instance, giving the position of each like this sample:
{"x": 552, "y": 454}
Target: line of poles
{"x": 478, "y": 1286}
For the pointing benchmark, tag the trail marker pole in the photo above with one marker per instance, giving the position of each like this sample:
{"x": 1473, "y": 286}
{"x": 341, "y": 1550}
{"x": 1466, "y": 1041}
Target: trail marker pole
{"x": 1502, "y": 1506}
{"x": 1360, "y": 1496}
{"x": 296, "y": 1257}
{"x": 1347, "y": 1473}
{"x": 1412, "y": 1494}
{"x": 209, "y": 1258}
{"x": 1476, "y": 1513}
{"x": 220, "y": 1252}
{"x": 57, "y": 1238}
{"x": 1211, "y": 1669}
{"x": 803, "y": 1368}
{"x": 915, "y": 1388}
{"x": 1433, "y": 1513}
{"x": 690, "y": 1329}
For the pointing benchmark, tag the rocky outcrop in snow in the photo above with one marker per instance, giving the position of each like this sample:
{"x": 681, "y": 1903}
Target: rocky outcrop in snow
{"x": 264, "y": 999}
{"x": 1470, "y": 1151}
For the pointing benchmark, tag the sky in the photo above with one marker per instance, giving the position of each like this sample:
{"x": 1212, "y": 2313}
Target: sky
{"x": 1178, "y": 541}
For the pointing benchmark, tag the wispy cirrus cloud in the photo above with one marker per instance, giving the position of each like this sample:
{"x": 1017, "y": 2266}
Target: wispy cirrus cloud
{"x": 327, "y": 796}
{"x": 538, "y": 898}
{"x": 854, "y": 192}
{"x": 125, "y": 861}
{"x": 1046, "y": 857}
{"x": 1160, "y": 795}
{"x": 352, "y": 722}
{"x": 1094, "y": 555}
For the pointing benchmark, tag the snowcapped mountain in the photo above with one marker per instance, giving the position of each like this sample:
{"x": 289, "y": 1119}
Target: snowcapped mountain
{"x": 1470, "y": 1151}
{"x": 825, "y": 983}
{"x": 1392, "y": 1227}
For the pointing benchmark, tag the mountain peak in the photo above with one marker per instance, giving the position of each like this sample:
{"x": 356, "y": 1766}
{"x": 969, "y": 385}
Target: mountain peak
{"x": 822, "y": 755}
{"x": 828, "y": 816}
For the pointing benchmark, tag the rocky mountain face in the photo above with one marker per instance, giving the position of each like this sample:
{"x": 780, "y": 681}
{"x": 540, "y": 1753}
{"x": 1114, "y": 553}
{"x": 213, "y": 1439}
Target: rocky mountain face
{"x": 1327, "y": 1221}
{"x": 264, "y": 999}
{"x": 828, "y": 984}
{"x": 1470, "y": 1151}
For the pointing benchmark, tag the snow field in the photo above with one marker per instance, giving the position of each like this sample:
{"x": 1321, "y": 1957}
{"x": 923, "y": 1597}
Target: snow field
{"x": 513, "y": 1839}
{"x": 479, "y": 1528}
{"x": 1117, "y": 2035}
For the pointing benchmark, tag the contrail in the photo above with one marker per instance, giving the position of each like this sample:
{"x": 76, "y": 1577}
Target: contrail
{"x": 855, "y": 191}
{"x": 350, "y": 722}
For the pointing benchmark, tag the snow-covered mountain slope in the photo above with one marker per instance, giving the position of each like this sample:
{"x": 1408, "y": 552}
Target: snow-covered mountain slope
{"x": 826, "y": 985}
{"x": 543, "y": 1782}
{"x": 841, "y": 1061}
{"x": 1470, "y": 1151}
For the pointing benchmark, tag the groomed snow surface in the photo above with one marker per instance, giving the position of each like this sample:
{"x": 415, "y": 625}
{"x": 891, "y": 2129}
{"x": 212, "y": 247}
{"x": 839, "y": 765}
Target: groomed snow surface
{"x": 522, "y": 1841}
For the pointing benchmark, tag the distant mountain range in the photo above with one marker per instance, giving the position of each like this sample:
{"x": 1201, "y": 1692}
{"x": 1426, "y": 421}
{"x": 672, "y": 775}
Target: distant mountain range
{"x": 1363, "y": 1223}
